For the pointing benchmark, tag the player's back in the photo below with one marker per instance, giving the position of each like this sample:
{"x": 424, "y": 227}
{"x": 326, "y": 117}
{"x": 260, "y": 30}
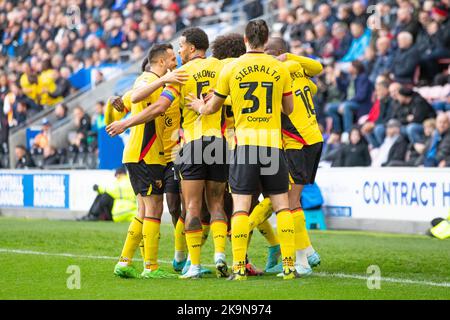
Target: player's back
{"x": 256, "y": 84}
{"x": 301, "y": 127}
{"x": 203, "y": 75}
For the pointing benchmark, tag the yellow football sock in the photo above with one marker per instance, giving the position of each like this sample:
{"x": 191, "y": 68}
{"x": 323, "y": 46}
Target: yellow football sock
{"x": 239, "y": 239}
{"x": 285, "y": 230}
{"x": 134, "y": 236}
{"x": 180, "y": 237}
{"x": 266, "y": 230}
{"x": 302, "y": 240}
{"x": 141, "y": 249}
{"x": 151, "y": 235}
{"x": 260, "y": 213}
{"x": 219, "y": 231}
{"x": 194, "y": 244}
{"x": 205, "y": 231}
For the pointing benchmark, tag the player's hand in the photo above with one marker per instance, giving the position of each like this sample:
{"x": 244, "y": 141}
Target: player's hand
{"x": 282, "y": 57}
{"x": 117, "y": 103}
{"x": 116, "y": 128}
{"x": 176, "y": 76}
{"x": 195, "y": 103}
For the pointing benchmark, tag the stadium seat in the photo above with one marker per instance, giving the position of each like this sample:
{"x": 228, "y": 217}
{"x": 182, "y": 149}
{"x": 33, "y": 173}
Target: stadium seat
{"x": 4, "y": 163}
{"x": 91, "y": 158}
{"x": 315, "y": 219}
{"x": 71, "y": 155}
{"x": 38, "y": 156}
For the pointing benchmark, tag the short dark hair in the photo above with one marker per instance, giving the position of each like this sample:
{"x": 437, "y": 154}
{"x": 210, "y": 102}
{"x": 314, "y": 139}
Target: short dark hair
{"x": 22, "y": 147}
{"x": 144, "y": 64}
{"x": 157, "y": 50}
{"x": 231, "y": 45}
{"x": 277, "y": 45}
{"x": 257, "y": 33}
{"x": 197, "y": 37}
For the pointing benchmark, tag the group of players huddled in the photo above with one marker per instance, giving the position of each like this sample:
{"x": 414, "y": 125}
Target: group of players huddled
{"x": 214, "y": 135}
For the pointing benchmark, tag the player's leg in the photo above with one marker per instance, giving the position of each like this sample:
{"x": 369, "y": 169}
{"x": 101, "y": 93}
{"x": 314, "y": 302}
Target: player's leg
{"x": 219, "y": 225}
{"x": 193, "y": 197}
{"x": 173, "y": 199}
{"x": 205, "y": 219}
{"x": 124, "y": 267}
{"x": 302, "y": 240}
{"x": 303, "y": 165}
{"x": 240, "y": 234}
{"x": 181, "y": 250}
{"x": 153, "y": 200}
{"x": 244, "y": 183}
{"x": 275, "y": 183}
{"x": 285, "y": 230}
{"x": 251, "y": 269}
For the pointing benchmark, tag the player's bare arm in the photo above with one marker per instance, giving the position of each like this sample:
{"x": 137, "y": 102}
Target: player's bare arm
{"x": 198, "y": 104}
{"x": 143, "y": 91}
{"x": 287, "y": 104}
{"x": 148, "y": 114}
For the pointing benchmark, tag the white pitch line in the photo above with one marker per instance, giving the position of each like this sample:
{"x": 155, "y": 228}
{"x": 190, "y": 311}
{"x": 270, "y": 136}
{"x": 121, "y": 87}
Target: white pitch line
{"x": 320, "y": 274}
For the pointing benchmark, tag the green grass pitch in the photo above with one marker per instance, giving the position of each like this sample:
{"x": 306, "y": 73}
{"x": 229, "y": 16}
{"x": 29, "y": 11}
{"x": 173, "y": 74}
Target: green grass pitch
{"x": 35, "y": 256}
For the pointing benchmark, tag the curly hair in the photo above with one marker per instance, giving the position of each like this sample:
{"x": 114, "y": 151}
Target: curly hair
{"x": 197, "y": 37}
{"x": 231, "y": 45}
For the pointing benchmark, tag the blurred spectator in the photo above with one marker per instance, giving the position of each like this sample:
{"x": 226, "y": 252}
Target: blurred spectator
{"x": 383, "y": 60}
{"x": 361, "y": 40}
{"x": 98, "y": 120}
{"x": 47, "y": 84}
{"x": 339, "y": 43}
{"x": 392, "y": 151}
{"x": 358, "y": 100}
{"x": 332, "y": 149}
{"x": 406, "y": 22}
{"x": 23, "y": 158}
{"x": 406, "y": 59}
{"x": 51, "y": 157}
{"x": 322, "y": 38}
{"x": 63, "y": 86}
{"x": 20, "y": 114}
{"x": 356, "y": 153}
{"x": 412, "y": 110}
{"x": 381, "y": 111}
{"x": 416, "y": 150}
{"x": 437, "y": 150}
{"x": 83, "y": 125}
{"x": 359, "y": 12}
{"x": 60, "y": 112}
{"x": 42, "y": 140}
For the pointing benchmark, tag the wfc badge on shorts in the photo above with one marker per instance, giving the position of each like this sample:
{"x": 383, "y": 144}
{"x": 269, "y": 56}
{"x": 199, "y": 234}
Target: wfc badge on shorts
{"x": 158, "y": 183}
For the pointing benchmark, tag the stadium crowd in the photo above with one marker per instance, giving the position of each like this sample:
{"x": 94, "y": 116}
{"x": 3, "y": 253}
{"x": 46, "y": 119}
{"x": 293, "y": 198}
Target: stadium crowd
{"x": 382, "y": 97}
{"x": 384, "y": 92}
{"x": 46, "y": 45}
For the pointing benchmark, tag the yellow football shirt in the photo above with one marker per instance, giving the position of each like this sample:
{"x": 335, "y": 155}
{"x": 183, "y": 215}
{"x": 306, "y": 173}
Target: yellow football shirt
{"x": 171, "y": 136}
{"x": 228, "y": 117}
{"x": 145, "y": 142}
{"x": 300, "y": 127}
{"x": 256, "y": 83}
{"x": 112, "y": 114}
{"x": 203, "y": 74}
